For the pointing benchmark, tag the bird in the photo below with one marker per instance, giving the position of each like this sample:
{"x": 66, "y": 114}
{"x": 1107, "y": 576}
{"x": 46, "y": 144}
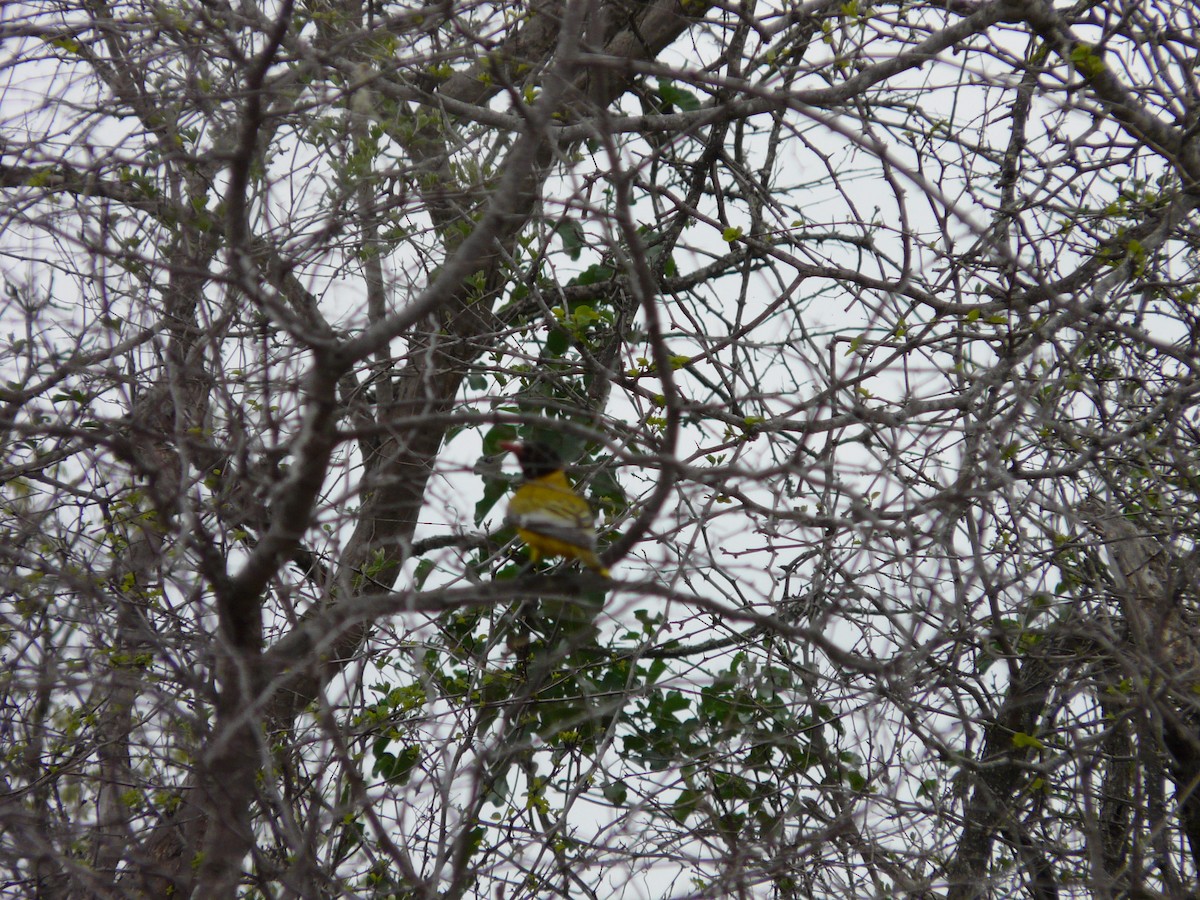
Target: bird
{"x": 550, "y": 517}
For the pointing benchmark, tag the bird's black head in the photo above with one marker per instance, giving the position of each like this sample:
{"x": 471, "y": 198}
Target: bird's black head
{"x": 537, "y": 459}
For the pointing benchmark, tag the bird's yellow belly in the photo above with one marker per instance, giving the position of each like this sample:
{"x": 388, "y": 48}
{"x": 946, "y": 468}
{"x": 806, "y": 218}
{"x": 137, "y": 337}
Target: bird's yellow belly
{"x": 548, "y": 546}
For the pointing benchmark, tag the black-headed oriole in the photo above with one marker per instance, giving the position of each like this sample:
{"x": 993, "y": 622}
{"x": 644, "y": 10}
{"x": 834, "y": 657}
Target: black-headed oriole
{"x": 549, "y": 516}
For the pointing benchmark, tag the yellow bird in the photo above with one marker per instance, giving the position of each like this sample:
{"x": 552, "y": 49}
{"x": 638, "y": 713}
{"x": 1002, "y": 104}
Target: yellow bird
{"x": 549, "y": 516}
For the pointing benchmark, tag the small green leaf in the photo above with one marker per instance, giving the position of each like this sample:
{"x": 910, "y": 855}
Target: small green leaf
{"x": 674, "y": 702}
{"x": 69, "y": 44}
{"x": 570, "y": 232}
{"x": 396, "y": 768}
{"x": 557, "y": 342}
{"x": 615, "y": 793}
{"x": 1021, "y": 740}
{"x": 1086, "y": 60}
{"x": 594, "y": 275}
{"x": 674, "y": 96}
{"x": 424, "y": 568}
{"x": 685, "y": 804}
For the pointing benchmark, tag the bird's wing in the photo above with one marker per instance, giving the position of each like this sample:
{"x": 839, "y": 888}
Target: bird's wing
{"x": 553, "y": 512}
{"x": 556, "y": 529}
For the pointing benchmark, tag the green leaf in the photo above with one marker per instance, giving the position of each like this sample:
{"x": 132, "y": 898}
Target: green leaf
{"x": 1086, "y": 60}
{"x": 673, "y": 96}
{"x": 594, "y": 274}
{"x": 494, "y": 487}
{"x": 424, "y": 568}
{"x": 570, "y": 232}
{"x": 1021, "y": 740}
{"x": 65, "y": 43}
{"x": 675, "y": 702}
{"x": 558, "y": 341}
{"x": 494, "y": 436}
{"x": 616, "y": 793}
{"x": 606, "y": 492}
{"x": 493, "y": 490}
{"x": 396, "y": 768}
{"x": 685, "y": 804}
